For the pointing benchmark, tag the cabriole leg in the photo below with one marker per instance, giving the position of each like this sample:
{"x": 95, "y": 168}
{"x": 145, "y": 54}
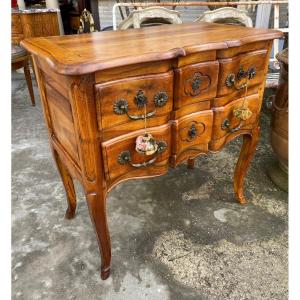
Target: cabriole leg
{"x": 97, "y": 208}
{"x": 247, "y": 152}
{"x": 69, "y": 186}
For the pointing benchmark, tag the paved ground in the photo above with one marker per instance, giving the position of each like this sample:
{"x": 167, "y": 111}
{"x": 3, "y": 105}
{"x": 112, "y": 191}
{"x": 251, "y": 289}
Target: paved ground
{"x": 179, "y": 236}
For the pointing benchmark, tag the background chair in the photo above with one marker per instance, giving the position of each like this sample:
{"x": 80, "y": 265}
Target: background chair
{"x": 150, "y": 16}
{"x": 20, "y": 59}
{"x": 226, "y": 15}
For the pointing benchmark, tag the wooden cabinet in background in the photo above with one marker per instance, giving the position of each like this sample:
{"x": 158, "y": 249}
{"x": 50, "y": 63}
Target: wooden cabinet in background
{"x": 33, "y": 23}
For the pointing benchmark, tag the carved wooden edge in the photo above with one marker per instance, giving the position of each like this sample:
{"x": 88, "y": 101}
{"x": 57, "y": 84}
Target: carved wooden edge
{"x": 188, "y": 155}
{"x": 69, "y": 68}
{"x": 86, "y": 130}
{"x": 68, "y": 161}
{"x": 162, "y": 168}
{"x": 240, "y": 56}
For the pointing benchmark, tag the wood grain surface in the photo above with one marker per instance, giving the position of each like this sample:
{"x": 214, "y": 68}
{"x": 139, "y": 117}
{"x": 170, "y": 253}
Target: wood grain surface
{"x": 86, "y": 53}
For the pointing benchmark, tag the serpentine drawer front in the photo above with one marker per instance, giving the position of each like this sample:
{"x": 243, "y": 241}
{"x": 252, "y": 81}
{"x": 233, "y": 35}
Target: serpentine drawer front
{"x": 196, "y": 83}
{"x": 123, "y": 100}
{"x": 122, "y": 161}
{"x": 191, "y": 135}
{"x": 235, "y": 71}
{"x": 131, "y": 104}
{"x": 225, "y": 122}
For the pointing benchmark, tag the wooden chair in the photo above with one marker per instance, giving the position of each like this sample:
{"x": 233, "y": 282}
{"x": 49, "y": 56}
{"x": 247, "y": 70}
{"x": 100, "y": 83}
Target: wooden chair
{"x": 150, "y": 16}
{"x": 226, "y": 15}
{"x": 20, "y": 59}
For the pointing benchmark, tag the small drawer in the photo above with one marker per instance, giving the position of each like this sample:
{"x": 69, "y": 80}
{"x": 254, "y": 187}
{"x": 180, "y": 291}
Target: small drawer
{"x": 245, "y": 68}
{"x": 191, "y": 135}
{"x": 226, "y": 123}
{"x": 194, "y": 83}
{"x": 122, "y": 161}
{"x": 123, "y": 101}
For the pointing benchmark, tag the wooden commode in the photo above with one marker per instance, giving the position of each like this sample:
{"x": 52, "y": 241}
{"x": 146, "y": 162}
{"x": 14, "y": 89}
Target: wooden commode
{"x": 199, "y": 85}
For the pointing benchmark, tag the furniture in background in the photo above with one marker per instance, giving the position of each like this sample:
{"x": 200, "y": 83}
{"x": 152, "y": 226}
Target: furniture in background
{"x": 20, "y": 59}
{"x": 71, "y": 12}
{"x": 26, "y": 24}
{"x": 226, "y": 15}
{"x": 213, "y": 7}
{"x": 150, "y": 16}
{"x": 86, "y": 22}
{"x": 33, "y": 23}
{"x": 153, "y": 99}
{"x": 279, "y": 125}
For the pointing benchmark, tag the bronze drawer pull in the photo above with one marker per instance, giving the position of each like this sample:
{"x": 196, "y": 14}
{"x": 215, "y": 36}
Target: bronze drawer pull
{"x": 160, "y": 99}
{"x": 140, "y": 99}
{"x": 121, "y": 105}
{"x": 121, "y": 108}
{"x": 231, "y": 80}
{"x": 141, "y": 117}
{"x": 226, "y": 126}
{"x": 196, "y": 83}
{"x": 192, "y": 132}
{"x": 125, "y": 156}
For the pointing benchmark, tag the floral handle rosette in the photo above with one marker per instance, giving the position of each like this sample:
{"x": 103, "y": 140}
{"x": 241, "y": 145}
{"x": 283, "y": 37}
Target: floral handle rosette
{"x": 146, "y": 144}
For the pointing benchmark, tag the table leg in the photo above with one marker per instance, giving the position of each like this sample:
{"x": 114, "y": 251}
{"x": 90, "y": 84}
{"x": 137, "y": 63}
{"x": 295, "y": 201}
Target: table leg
{"x": 247, "y": 152}
{"x": 29, "y": 82}
{"x": 69, "y": 186}
{"x": 97, "y": 208}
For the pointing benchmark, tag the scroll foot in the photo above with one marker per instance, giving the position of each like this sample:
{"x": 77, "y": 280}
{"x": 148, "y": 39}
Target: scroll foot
{"x": 247, "y": 152}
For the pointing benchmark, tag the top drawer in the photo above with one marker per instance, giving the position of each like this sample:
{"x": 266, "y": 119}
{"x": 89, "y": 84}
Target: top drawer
{"x": 123, "y": 101}
{"x": 195, "y": 83}
{"x": 236, "y": 71}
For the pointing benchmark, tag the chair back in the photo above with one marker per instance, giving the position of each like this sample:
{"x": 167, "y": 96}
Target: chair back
{"x": 150, "y": 16}
{"x": 226, "y": 15}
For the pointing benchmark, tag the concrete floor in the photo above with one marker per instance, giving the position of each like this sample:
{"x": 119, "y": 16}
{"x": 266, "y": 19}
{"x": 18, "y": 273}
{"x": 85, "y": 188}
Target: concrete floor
{"x": 178, "y": 236}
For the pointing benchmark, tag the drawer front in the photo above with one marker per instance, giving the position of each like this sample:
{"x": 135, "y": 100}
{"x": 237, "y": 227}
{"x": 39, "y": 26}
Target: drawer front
{"x": 226, "y": 123}
{"x": 197, "y": 82}
{"x": 123, "y": 161}
{"x": 235, "y": 72}
{"x": 191, "y": 135}
{"x": 123, "y": 101}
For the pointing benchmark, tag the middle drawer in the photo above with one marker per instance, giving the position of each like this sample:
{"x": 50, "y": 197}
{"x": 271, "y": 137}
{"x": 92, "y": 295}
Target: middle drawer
{"x": 124, "y": 100}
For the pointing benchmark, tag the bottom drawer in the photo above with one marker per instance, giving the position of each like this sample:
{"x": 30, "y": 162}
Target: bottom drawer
{"x": 226, "y": 123}
{"x": 122, "y": 161}
{"x": 191, "y": 135}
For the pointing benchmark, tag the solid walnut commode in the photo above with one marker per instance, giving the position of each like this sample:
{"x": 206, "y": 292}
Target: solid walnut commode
{"x": 173, "y": 91}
